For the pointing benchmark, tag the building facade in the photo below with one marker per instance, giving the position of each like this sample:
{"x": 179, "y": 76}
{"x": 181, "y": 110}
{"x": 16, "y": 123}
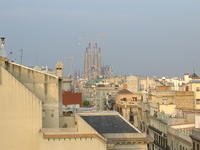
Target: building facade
{"x": 195, "y": 135}
{"x": 126, "y": 105}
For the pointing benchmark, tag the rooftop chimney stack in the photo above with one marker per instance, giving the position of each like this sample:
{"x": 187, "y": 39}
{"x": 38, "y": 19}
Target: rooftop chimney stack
{"x": 59, "y": 69}
{"x": 3, "y": 40}
{"x": 2, "y": 50}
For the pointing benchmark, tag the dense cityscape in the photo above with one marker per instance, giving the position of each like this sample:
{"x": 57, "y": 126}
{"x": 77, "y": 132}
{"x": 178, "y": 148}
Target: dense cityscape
{"x": 42, "y": 109}
{"x": 99, "y": 75}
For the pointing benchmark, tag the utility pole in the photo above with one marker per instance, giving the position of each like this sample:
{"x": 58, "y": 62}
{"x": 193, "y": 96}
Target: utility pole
{"x": 21, "y": 55}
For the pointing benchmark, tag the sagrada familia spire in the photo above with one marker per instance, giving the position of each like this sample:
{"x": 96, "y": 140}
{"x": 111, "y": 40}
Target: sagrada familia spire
{"x": 92, "y": 61}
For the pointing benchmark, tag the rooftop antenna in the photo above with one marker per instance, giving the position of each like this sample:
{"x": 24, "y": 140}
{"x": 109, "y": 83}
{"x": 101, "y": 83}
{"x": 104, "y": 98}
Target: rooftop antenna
{"x": 21, "y": 55}
{"x": 193, "y": 69}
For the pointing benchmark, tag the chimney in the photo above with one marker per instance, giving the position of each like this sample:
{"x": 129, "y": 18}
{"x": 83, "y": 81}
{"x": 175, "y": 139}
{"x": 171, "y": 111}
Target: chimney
{"x": 59, "y": 69}
{"x": 3, "y": 40}
{"x": 2, "y": 50}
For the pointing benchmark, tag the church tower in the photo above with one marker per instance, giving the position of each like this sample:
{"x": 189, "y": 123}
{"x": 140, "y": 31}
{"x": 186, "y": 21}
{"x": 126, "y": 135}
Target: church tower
{"x": 92, "y": 61}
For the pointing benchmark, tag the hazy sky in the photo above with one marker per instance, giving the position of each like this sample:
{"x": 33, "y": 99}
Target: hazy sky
{"x": 146, "y": 37}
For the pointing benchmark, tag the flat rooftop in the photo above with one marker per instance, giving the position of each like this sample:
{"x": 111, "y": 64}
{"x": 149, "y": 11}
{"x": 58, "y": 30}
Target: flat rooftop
{"x": 109, "y": 124}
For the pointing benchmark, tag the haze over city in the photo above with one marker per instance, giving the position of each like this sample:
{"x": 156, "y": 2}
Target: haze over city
{"x": 140, "y": 37}
{"x": 99, "y": 75}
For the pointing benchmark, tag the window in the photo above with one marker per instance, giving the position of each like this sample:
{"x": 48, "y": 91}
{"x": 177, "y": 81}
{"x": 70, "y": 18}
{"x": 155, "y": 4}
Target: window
{"x": 131, "y": 116}
{"x": 155, "y": 138}
{"x": 124, "y": 99}
{"x": 134, "y": 98}
{"x": 159, "y": 141}
{"x": 198, "y": 89}
{"x": 43, "y": 113}
{"x": 197, "y": 101}
{"x": 164, "y": 143}
{"x": 187, "y": 88}
{"x": 172, "y": 145}
{"x": 164, "y": 100}
{"x": 193, "y": 145}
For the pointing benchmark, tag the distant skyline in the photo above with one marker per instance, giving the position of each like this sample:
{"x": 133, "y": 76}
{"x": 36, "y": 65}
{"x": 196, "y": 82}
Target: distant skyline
{"x": 141, "y": 37}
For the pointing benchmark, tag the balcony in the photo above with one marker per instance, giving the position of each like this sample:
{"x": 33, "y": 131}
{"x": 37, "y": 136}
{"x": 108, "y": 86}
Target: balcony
{"x": 195, "y": 134}
{"x": 181, "y": 133}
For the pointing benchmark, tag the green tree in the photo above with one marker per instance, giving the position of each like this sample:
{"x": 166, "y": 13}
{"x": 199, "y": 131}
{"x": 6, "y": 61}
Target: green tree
{"x": 86, "y": 103}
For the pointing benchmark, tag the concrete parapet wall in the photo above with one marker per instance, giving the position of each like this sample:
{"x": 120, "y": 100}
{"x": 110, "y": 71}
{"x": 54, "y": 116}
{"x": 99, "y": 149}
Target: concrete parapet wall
{"x": 20, "y": 113}
{"x": 44, "y": 86}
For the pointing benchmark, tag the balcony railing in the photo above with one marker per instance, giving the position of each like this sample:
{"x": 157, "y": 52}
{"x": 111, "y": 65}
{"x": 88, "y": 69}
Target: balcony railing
{"x": 182, "y": 133}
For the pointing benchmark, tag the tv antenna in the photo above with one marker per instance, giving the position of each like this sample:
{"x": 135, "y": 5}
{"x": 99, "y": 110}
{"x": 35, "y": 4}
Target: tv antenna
{"x": 21, "y": 55}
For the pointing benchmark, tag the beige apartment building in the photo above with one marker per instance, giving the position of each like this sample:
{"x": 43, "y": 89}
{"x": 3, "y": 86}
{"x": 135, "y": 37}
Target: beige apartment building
{"x": 171, "y": 132}
{"x": 140, "y": 83}
{"x": 167, "y": 117}
{"x": 195, "y": 139}
{"x": 195, "y": 135}
{"x": 126, "y": 105}
{"x": 194, "y": 85}
{"x": 163, "y": 99}
{"x": 98, "y": 91}
{"x": 178, "y": 136}
{"x": 103, "y": 95}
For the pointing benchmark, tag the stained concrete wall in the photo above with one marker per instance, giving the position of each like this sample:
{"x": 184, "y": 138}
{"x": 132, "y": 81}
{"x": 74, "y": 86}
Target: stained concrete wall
{"x": 20, "y": 113}
{"x": 45, "y": 86}
{"x": 21, "y": 121}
